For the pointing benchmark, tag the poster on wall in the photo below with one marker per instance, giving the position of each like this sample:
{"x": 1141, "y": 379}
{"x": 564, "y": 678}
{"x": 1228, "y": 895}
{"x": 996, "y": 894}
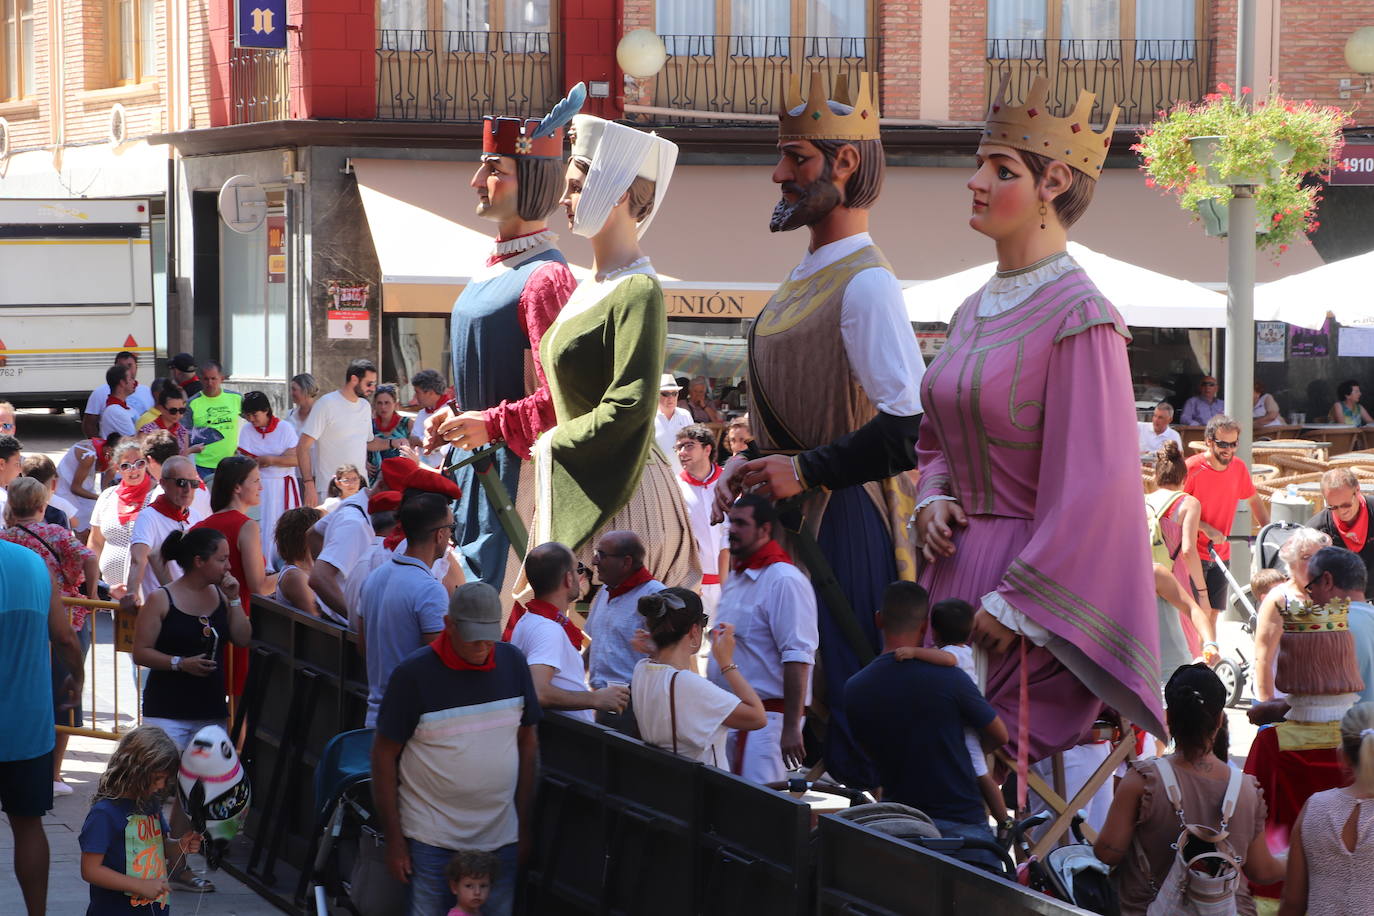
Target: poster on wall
{"x": 1355, "y": 342}
{"x": 1307, "y": 343}
{"x": 931, "y": 343}
{"x": 276, "y": 249}
{"x": 1271, "y": 339}
{"x": 346, "y": 309}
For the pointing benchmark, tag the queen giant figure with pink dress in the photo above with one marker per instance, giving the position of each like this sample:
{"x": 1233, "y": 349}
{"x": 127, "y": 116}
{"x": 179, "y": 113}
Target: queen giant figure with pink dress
{"x": 1029, "y": 503}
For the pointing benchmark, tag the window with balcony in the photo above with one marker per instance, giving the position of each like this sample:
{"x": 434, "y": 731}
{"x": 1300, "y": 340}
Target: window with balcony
{"x": 730, "y": 56}
{"x": 450, "y": 60}
{"x": 16, "y": 50}
{"x": 1142, "y": 55}
{"x": 133, "y": 40}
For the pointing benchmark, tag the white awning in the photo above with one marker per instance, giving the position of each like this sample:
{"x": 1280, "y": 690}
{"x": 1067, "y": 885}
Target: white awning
{"x": 1345, "y": 288}
{"x": 1145, "y": 299}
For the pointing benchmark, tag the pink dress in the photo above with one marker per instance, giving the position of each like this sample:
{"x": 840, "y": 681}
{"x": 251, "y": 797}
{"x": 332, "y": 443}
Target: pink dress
{"x": 1030, "y": 423}
{"x": 1339, "y": 882}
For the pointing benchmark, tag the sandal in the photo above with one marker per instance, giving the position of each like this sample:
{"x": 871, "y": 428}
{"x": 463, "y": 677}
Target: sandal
{"x": 190, "y": 882}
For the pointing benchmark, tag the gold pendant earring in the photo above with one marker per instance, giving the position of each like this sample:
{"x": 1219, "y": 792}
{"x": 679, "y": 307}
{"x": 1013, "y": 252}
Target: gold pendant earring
{"x": 1042, "y": 214}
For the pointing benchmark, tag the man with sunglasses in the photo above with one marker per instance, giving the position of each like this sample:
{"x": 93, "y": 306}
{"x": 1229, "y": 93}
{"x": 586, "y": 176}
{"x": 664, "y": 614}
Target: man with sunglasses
{"x": 402, "y": 605}
{"x": 172, "y": 509}
{"x": 1220, "y": 481}
{"x": 614, "y": 616}
{"x": 1203, "y": 406}
{"x": 1346, "y": 517}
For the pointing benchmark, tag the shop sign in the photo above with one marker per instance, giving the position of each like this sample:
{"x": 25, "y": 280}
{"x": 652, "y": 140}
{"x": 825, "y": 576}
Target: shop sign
{"x": 276, "y": 249}
{"x": 709, "y": 303}
{"x": 1356, "y": 165}
{"x": 260, "y": 24}
{"x": 346, "y": 310}
{"x": 932, "y": 342}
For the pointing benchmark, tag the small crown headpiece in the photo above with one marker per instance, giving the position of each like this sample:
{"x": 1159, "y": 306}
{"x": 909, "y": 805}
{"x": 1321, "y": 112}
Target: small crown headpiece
{"x": 817, "y": 121}
{"x": 1031, "y": 128}
{"x": 1306, "y": 617}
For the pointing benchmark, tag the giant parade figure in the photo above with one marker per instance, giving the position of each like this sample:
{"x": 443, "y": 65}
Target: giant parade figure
{"x": 503, "y": 312}
{"x": 834, "y": 371}
{"x": 1029, "y": 495}
{"x": 598, "y": 467}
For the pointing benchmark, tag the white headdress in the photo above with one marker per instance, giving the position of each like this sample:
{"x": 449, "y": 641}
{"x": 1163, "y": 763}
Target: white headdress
{"x": 616, "y": 155}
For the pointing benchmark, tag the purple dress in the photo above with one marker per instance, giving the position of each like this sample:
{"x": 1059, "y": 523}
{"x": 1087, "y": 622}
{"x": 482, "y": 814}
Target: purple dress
{"x": 1030, "y": 423}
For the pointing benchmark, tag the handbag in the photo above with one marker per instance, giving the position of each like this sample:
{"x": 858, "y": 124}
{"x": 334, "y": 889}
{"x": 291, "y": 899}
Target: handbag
{"x": 1205, "y": 873}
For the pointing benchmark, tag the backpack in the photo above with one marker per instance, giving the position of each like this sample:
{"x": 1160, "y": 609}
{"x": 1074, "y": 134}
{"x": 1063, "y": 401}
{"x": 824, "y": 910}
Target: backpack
{"x": 1159, "y": 550}
{"x": 1203, "y": 878}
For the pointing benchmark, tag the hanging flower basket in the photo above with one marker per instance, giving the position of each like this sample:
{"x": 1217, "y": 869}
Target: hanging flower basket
{"x": 1201, "y": 151}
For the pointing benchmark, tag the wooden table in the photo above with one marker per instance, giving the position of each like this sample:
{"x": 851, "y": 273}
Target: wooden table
{"x": 1341, "y": 436}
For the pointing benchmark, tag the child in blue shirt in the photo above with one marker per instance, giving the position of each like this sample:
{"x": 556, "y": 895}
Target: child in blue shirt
{"x": 122, "y": 855}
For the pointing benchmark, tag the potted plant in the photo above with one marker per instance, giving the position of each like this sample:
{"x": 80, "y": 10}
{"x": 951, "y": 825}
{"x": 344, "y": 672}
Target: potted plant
{"x": 1200, "y": 151}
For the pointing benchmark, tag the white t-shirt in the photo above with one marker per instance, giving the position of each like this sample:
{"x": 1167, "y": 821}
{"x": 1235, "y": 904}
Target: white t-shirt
{"x": 702, "y": 709}
{"x": 116, "y": 419}
{"x": 544, "y": 642}
{"x": 347, "y": 534}
{"x": 665, "y": 433}
{"x": 700, "y": 497}
{"x": 152, "y": 528}
{"x": 1151, "y": 441}
{"x": 140, "y": 402}
{"x": 62, "y": 504}
{"x": 341, "y": 429}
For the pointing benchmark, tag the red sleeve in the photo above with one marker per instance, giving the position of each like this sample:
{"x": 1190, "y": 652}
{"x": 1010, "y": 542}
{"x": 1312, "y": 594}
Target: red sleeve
{"x": 518, "y": 423}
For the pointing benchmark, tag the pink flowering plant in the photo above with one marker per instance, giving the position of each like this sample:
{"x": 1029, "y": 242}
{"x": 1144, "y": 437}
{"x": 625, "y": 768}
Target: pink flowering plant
{"x": 1248, "y": 138}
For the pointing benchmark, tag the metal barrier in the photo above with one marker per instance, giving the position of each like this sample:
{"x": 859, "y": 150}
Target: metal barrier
{"x": 118, "y": 710}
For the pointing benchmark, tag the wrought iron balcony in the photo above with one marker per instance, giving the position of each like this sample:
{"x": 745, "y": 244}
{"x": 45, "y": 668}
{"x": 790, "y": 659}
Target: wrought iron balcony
{"x": 742, "y": 74}
{"x": 432, "y": 75}
{"x": 259, "y": 85}
{"x": 1142, "y": 76}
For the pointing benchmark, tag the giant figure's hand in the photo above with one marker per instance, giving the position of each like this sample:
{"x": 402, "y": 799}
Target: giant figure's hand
{"x": 935, "y": 526}
{"x": 727, "y": 488}
{"x": 467, "y": 430}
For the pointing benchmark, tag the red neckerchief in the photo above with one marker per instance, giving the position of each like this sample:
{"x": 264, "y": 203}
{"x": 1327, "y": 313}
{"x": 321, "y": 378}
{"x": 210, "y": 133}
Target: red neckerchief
{"x": 269, "y": 428}
{"x": 194, "y": 378}
{"x": 165, "y": 421}
{"x": 495, "y": 258}
{"x": 635, "y": 580}
{"x": 766, "y": 555}
{"x": 98, "y": 446}
{"x": 548, "y": 612}
{"x": 394, "y": 539}
{"x": 452, "y": 660}
{"x": 131, "y": 498}
{"x": 165, "y": 506}
{"x": 710, "y": 478}
{"x": 443, "y": 402}
{"x": 1356, "y": 532}
{"x": 114, "y": 400}
{"x": 395, "y": 421}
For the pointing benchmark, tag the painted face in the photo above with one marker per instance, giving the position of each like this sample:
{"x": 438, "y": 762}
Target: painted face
{"x": 572, "y": 190}
{"x": 1005, "y": 199}
{"x": 808, "y": 193}
{"x": 497, "y": 188}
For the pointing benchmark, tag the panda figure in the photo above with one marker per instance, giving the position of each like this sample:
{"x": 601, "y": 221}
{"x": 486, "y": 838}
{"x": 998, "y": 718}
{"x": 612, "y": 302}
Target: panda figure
{"x": 214, "y": 790}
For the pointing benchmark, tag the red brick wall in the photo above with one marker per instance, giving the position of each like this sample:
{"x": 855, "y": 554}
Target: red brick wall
{"x": 899, "y": 24}
{"x": 1312, "y": 50}
{"x": 968, "y": 31}
{"x": 591, "y": 29}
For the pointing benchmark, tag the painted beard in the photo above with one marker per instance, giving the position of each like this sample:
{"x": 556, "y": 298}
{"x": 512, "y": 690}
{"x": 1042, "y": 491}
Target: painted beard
{"x": 813, "y": 203}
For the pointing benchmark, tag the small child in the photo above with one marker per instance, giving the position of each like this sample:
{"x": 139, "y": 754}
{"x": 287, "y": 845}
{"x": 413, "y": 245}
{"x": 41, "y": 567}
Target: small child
{"x": 121, "y": 841}
{"x": 470, "y": 876}
{"x": 951, "y": 622}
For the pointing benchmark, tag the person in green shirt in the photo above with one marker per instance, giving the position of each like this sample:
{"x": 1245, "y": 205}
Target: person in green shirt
{"x": 219, "y": 410}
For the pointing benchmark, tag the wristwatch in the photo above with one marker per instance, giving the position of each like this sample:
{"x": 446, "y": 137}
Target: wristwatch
{"x": 176, "y": 662}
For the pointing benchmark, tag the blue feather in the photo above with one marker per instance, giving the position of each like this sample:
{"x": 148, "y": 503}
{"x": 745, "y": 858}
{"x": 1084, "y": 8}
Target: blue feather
{"x": 562, "y": 113}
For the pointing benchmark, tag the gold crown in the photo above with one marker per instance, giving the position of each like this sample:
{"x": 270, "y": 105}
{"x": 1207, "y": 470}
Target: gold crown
{"x": 1030, "y": 127}
{"x": 817, "y": 121}
{"x": 1306, "y": 617}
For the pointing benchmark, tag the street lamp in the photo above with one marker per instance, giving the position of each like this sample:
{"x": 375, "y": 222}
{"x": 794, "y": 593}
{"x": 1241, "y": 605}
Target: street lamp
{"x": 1359, "y": 56}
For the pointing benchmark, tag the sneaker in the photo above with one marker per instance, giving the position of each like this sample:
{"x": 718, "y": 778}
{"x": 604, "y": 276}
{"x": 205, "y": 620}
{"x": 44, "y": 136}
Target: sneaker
{"x": 61, "y": 788}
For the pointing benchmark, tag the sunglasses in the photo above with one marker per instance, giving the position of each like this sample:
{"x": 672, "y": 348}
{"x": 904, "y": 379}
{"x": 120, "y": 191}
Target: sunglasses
{"x": 601, "y": 554}
{"x": 138, "y": 465}
{"x": 176, "y": 411}
{"x": 182, "y": 482}
{"x": 7, "y": 426}
{"x": 583, "y": 571}
{"x": 1222, "y": 444}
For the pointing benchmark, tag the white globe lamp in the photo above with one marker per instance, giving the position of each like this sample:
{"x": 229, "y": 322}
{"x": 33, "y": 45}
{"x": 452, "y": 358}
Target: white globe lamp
{"x": 641, "y": 53}
{"x": 1359, "y": 50}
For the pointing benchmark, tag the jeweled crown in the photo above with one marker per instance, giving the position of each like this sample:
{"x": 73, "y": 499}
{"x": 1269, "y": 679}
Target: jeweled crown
{"x": 817, "y": 121}
{"x": 1030, "y": 127}
{"x": 1306, "y": 617}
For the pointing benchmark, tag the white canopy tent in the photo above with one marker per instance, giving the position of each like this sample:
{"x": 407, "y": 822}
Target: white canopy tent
{"x": 1144, "y": 298}
{"x": 1345, "y": 288}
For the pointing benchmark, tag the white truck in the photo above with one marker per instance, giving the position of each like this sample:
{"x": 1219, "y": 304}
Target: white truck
{"x": 76, "y": 288}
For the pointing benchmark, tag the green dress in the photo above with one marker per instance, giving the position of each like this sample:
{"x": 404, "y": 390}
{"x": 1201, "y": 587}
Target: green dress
{"x": 599, "y": 467}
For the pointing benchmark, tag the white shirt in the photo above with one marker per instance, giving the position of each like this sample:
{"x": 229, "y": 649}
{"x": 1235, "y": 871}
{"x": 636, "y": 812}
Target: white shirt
{"x": 665, "y": 433}
{"x": 435, "y": 458}
{"x": 702, "y": 709}
{"x": 773, "y": 610}
{"x": 877, "y": 335}
{"x": 66, "y": 506}
{"x": 347, "y": 534}
{"x": 544, "y": 642}
{"x": 140, "y": 402}
{"x": 711, "y": 539}
{"x": 611, "y": 623}
{"x": 375, "y": 556}
{"x": 152, "y": 528}
{"x": 116, "y": 419}
{"x": 341, "y": 430}
{"x": 1151, "y": 441}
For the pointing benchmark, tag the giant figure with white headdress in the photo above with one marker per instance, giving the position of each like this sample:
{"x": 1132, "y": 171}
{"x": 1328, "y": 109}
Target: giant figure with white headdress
{"x": 599, "y": 467}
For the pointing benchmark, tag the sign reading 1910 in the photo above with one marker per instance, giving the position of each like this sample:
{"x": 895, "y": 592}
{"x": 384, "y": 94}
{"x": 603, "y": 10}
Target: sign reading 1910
{"x": 260, "y": 24}
{"x": 1356, "y": 165}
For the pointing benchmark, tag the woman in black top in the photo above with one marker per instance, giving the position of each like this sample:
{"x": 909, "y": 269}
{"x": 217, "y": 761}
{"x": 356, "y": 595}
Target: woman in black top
{"x": 180, "y": 635}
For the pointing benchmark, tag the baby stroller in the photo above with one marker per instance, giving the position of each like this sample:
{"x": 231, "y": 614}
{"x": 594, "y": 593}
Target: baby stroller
{"x": 915, "y": 827}
{"x": 346, "y": 857}
{"x": 1071, "y": 873}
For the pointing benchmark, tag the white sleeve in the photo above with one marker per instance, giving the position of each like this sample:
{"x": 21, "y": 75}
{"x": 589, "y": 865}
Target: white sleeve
{"x": 143, "y": 529}
{"x": 702, "y": 707}
{"x": 792, "y": 617}
{"x": 96, "y": 402}
{"x": 880, "y": 342}
{"x": 537, "y": 644}
{"x": 345, "y": 544}
{"x": 317, "y": 421}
